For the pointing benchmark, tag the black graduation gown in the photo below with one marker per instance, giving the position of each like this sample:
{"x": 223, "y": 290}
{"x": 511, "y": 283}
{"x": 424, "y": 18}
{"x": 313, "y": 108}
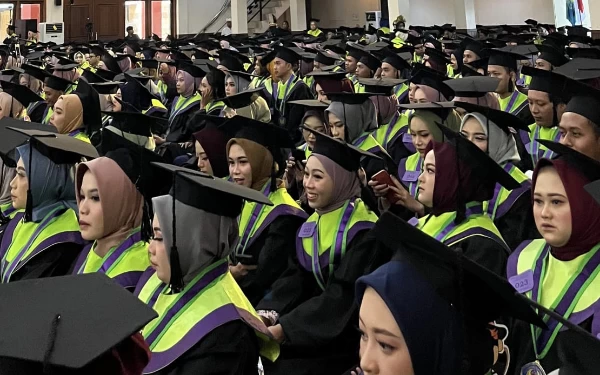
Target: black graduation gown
{"x": 320, "y": 326}
{"x": 36, "y": 110}
{"x": 57, "y": 260}
{"x": 518, "y": 223}
{"x": 271, "y": 251}
{"x": 230, "y": 349}
{"x": 179, "y": 130}
{"x": 485, "y": 252}
{"x": 293, "y": 113}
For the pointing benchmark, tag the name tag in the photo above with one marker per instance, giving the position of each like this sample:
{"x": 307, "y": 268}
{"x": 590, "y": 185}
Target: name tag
{"x": 522, "y": 282}
{"x": 411, "y": 176}
{"x": 307, "y": 230}
{"x": 407, "y": 138}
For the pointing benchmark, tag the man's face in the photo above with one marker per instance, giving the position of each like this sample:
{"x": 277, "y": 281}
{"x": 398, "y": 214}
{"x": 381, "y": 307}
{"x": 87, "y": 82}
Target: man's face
{"x": 502, "y": 74}
{"x": 351, "y": 64}
{"x": 469, "y": 56}
{"x": 541, "y": 107}
{"x": 420, "y": 49}
{"x": 578, "y": 133}
{"x": 94, "y": 59}
{"x": 281, "y": 67}
{"x": 229, "y": 24}
{"x": 388, "y": 71}
{"x": 51, "y": 95}
{"x": 313, "y": 25}
{"x": 130, "y": 32}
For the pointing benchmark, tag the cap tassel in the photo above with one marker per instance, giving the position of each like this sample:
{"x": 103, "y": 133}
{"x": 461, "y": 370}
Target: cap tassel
{"x": 29, "y": 204}
{"x": 3, "y": 218}
{"x": 146, "y": 229}
{"x": 461, "y": 204}
{"x": 50, "y": 345}
{"x": 176, "y": 282}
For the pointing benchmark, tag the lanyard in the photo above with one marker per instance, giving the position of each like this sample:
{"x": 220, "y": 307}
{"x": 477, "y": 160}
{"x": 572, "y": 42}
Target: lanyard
{"x": 251, "y": 226}
{"x": 117, "y": 255}
{"x": 534, "y": 146}
{"x": 9, "y": 267}
{"x": 566, "y": 301}
{"x": 512, "y": 101}
{"x": 338, "y": 248}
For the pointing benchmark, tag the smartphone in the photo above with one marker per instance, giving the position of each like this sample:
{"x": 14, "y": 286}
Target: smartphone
{"x": 384, "y": 178}
{"x": 299, "y": 155}
{"x": 245, "y": 259}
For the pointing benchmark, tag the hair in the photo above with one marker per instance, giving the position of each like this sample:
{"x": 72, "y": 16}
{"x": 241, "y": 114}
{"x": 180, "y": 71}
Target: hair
{"x": 595, "y": 127}
{"x": 129, "y": 28}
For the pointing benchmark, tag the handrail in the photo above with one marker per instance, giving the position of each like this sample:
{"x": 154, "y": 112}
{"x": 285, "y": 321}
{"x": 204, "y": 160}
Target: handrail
{"x": 226, "y": 5}
{"x": 262, "y": 5}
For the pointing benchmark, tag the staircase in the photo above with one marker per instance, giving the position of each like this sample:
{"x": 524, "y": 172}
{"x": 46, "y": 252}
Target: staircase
{"x": 256, "y": 25}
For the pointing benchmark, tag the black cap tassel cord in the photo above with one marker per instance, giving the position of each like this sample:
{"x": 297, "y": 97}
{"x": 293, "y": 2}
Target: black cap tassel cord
{"x": 50, "y": 344}
{"x": 29, "y": 204}
{"x": 176, "y": 282}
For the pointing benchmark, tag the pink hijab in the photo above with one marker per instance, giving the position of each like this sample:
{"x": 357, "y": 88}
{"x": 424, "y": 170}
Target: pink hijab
{"x": 191, "y": 83}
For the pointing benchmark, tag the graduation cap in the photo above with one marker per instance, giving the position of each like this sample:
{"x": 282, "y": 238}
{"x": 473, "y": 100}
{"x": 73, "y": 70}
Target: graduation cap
{"x": 394, "y": 59}
{"x": 472, "y": 45}
{"x": 10, "y": 140}
{"x": 580, "y": 69}
{"x": 370, "y": 61}
{"x": 70, "y": 329}
{"x": 20, "y": 93}
{"x": 135, "y": 123}
{"x": 426, "y": 78}
{"x": 193, "y": 70}
{"x": 90, "y": 101}
{"x": 207, "y": 193}
{"x": 92, "y": 77}
{"x": 286, "y": 55}
{"x": 311, "y": 103}
{"x": 149, "y": 63}
{"x": 504, "y": 120}
{"x": 97, "y": 50}
{"x": 355, "y": 50}
{"x": 65, "y": 65}
{"x": 473, "y": 87}
{"x": 344, "y": 154}
{"x": 552, "y": 83}
{"x": 352, "y": 98}
{"x": 586, "y": 165}
{"x": 34, "y": 71}
{"x": 106, "y": 88}
{"x": 57, "y": 83}
{"x": 242, "y": 99}
{"x": 108, "y": 75}
{"x": 432, "y": 106}
{"x": 505, "y": 59}
{"x": 589, "y": 53}
{"x": 552, "y": 55}
{"x": 268, "y": 135}
{"x": 380, "y": 86}
{"x": 585, "y": 101}
{"x": 437, "y": 56}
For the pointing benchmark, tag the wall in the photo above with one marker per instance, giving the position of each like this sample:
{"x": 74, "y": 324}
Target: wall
{"x": 334, "y": 13}
{"x": 193, "y": 15}
{"x": 513, "y": 12}
{"x": 54, "y": 13}
{"x": 430, "y": 12}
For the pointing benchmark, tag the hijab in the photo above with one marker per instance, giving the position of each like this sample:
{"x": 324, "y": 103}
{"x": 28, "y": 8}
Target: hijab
{"x": 73, "y": 110}
{"x": 33, "y": 83}
{"x": 455, "y": 182}
{"x": 502, "y": 147}
{"x": 8, "y": 103}
{"x": 121, "y": 202}
{"x": 489, "y": 100}
{"x": 8, "y": 174}
{"x": 261, "y": 161}
{"x": 318, "y": 115}
{"x": 430, "y": 118}
{"x": 334, "y": 85}
{"x": 69, "y": 75}
{"x": 432, "y": 94}
{"x": 346, "y": 184}
{"x": 585, "y": 212}
{"x": 214, "y": 143}
{"x": 202, "y": 237}
{"x": 241, "y": 83}
{"x": 189, "y": 81}
{"x": 430, "y": 325}
{"x": 124, "y": 64}
{"x": 51, "y": 184}
{"x": 172, "y": 75}
{"x": 357, "y": 118}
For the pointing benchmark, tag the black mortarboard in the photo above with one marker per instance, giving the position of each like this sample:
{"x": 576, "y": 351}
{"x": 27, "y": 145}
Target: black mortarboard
{"x": 268, "y": 135}
{"x": 108, "y": 75}
{"x": 72, "y": 328}
{"x": 552, "y": 55}
{"x": 355, "y": 50}
{"x": 267, "y": 58}
{"x": 242, "y": 99}
{"x": 580, "y": 69}
{"x": 136, "y": 93}
{"x": 455, "y": 277}
{"x": 135, "y": 123}
{"x": 97, "y": 50}
{"x": 467, "y": 71}
{"x": 370, "y": 61}
{"x": 286, "y": 55}
{"x": 350, "y": 97}
{"x": 474, "y": 86}
{"x": 586, "y": 165}
{"x": 106, "y": 88}
{"x": 207, "y": 193}
{"x": 503, "y": 119}
{"x": 10, "y": 140}
{"x": 312, "y": 103}
{"x": 65, "y": 64}
{"x": 426, "y": 78}
{"x": 230, "y": 60}
{"x": 194, "y": 70}
{"x": 57, "y": 83}
{"x": 380, "y": 86}
{"x": 588, "y": 53}
{"x": 34, "y": 71}
{"x": 394, "y": 59}
{"x": 326, "y": 58}
{"x": 20, "y": 93}
{"x": 593, "y": 189}
{"x": 149, "y": 63}
{"x": 549, "y": 82}
{"x": 437, "y": 56}
{"x": 344, "y": 154}
{"x": 90, "y": 101}
{"x": 111, "y": 63}
{"x": 472, "y": 45}
{"x": 585, "y": 101}
{"x": 505, "y": 59}
{"x": 484, "y": 168}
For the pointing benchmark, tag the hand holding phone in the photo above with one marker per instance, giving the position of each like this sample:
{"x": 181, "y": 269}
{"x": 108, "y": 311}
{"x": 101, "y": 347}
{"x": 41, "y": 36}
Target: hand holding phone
{"x": 384, "y": 178}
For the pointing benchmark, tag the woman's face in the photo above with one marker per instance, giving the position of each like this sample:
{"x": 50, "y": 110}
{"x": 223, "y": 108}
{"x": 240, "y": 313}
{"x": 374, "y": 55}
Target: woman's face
{"x": 230, "y": 88}
{"x": 19, "y": 186}
{"x": 321, "y": 95}
{"x": 313, "y": 123}
{"x": 362, "y": 71}
{"x": 420, "y": 134}
{"x": 78, "y": 58}
{"x": 383, "y": 350}
{"x": 163, "y": 71}
{"x": 419, "y": 96}
{"x": 203, "y": 162}
{"x": 427, "y": 180}
{"x": 336, "y": 125}
{"x": 23, "y": 81}
{"x": 180, "y": 84}
{"x": 205, "y": 88}
{"x": 551, "y": 208}
{"x": 454, "y": 63}
{"x": 59, "y": 116}
{"x": 239, "y": 166}
{"x": 473, "y": 131}
{"x": 159, "y": 259}
{"x": 411, "y": 92}
{"x": 91, "y": 216}
{"x": 543, "y": 64}
{"x": 318, "y": 185}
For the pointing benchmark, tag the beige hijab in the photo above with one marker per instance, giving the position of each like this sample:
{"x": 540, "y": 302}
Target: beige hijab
{"x": 73, "y": 114}
{"x": 261, "y": 160}
{"x": 7, "y": 102}
{"x": 121, "y": 202}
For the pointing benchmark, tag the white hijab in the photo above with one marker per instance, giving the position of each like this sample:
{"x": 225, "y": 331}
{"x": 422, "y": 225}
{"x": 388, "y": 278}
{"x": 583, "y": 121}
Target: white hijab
{"x": 501, "y": 146}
